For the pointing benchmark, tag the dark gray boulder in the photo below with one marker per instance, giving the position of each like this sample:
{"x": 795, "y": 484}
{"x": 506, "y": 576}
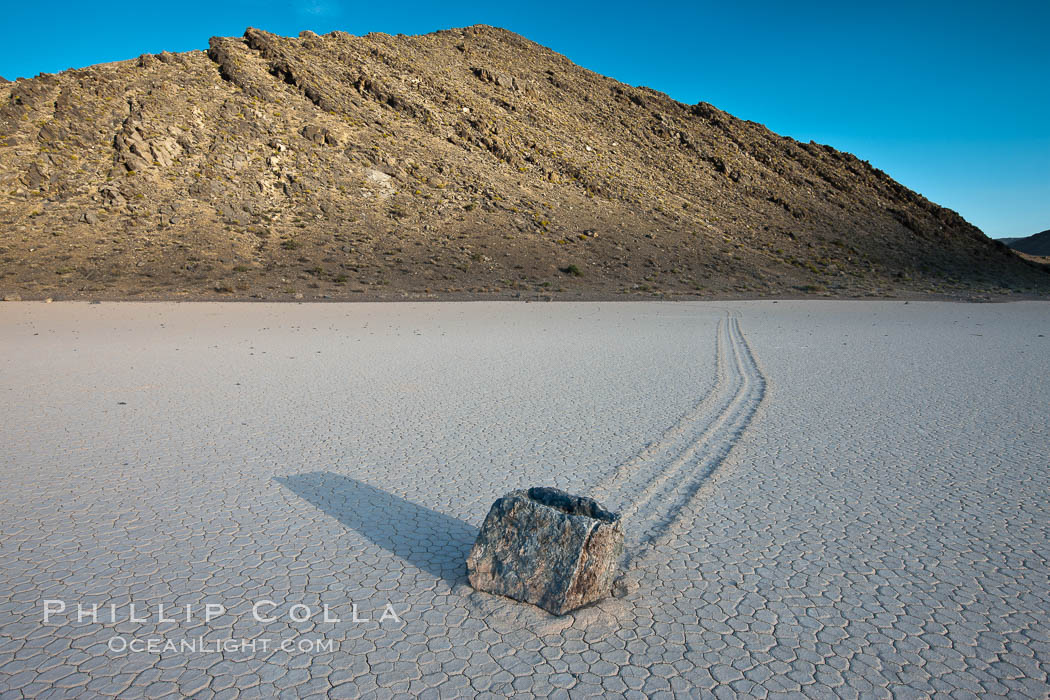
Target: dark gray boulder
{"x": 549, "y": 548}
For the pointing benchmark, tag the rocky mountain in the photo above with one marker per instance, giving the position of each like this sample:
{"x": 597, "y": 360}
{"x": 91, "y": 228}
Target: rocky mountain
{"x": 464, "y": 162}
{"x": 1037, "y": 244}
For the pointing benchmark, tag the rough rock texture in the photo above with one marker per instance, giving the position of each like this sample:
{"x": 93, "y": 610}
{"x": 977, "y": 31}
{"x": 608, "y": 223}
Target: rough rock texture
{"x": 465, "y": 162}
{"x": 549, "y": 548}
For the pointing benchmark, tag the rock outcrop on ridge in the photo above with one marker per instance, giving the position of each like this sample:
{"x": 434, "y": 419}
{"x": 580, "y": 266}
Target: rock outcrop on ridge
{"x": 465, "y": 162}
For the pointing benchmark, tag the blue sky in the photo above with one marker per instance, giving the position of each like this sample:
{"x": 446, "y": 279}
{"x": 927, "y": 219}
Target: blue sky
{"x": 950, "y": 98}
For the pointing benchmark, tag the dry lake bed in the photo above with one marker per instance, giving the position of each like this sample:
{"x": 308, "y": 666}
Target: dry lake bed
{"x": 251, "y": 500}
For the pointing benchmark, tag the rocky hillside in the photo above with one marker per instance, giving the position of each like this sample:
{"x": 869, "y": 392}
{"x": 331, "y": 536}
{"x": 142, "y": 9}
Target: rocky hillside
{"x": 464, "y": 162}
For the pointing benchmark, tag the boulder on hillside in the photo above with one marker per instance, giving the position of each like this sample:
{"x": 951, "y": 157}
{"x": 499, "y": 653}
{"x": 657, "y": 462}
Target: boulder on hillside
{"x": 495, "y": 77}
{"x": 319, "y": 135}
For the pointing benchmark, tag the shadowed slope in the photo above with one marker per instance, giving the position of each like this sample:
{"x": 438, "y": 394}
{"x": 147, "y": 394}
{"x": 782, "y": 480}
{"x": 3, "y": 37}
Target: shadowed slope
{"x": 1036, "y": 244}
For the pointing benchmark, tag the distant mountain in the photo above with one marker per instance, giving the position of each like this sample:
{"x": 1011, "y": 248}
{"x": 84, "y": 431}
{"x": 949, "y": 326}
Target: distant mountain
{"x": 465, "y": 162}
{"x": 1036, "y": 244}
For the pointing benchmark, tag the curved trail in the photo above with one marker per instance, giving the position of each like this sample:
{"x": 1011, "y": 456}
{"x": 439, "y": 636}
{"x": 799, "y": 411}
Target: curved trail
{"x": 647, "y": 464}
{"x": 652, "y": 488}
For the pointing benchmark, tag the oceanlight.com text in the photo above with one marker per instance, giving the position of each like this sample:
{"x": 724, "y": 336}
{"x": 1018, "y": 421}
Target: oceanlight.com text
{"x": 199, "y": 645}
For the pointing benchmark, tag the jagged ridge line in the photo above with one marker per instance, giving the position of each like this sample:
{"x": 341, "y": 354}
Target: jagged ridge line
{"x": 666, "y": 440}
{"x": 274, "y": 62}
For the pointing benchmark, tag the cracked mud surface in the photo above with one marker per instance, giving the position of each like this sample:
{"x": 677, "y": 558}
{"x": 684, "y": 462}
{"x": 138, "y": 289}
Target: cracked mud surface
{"x": 831, "y": 498}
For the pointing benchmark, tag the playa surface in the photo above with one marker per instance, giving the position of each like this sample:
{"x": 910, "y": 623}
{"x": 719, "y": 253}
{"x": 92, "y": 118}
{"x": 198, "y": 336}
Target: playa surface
{"x": 843, "y": 498}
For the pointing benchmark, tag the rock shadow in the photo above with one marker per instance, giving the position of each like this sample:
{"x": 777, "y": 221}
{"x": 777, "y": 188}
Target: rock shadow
{"x": 425, "y": 538}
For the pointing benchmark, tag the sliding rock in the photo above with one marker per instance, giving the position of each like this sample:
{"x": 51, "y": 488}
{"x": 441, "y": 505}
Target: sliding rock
{"x": 549, "y": 548}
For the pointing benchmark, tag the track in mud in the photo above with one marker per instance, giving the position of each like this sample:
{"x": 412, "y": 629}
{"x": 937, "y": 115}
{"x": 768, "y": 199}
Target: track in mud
{"x": 652, "y": 488}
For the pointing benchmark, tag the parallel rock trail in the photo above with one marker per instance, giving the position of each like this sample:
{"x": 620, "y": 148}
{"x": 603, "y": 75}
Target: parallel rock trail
{"x": 648, "y": 463}
{"x": 652, "y": 488}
